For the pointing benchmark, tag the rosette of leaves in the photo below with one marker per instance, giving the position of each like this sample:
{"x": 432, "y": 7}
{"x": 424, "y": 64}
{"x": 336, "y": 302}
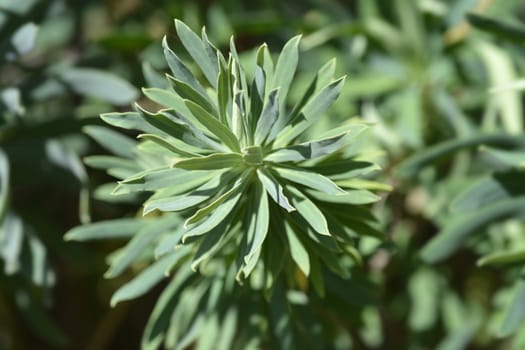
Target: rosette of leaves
{"x": 229, "y": 157}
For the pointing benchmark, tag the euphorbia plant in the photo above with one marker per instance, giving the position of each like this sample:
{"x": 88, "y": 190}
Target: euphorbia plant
{"x": 233, "y": 189}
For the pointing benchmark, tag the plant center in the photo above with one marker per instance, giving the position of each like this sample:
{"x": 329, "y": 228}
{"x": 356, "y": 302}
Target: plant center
{"x": 253, "y": 155}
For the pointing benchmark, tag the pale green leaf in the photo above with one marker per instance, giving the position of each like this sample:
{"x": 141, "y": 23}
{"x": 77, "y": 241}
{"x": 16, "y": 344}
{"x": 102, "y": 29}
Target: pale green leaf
{"x": 274, "y": 189}
{"x": 214, "y": 126}
{"x": 315, "y": 181}
{"x": 515, "y": 311}
{"x": 113, "y": 141}
{"x": 307, "y": 150}
{"x": 136, "y": 245}
{"x": 148, "y": 278}
{"x": 212, "y": 162}
{"x": 461, "y": 227}
{"x": 205, "y": 59}
{"x": 309, "y": 211}
{"x": 297, "y": 250}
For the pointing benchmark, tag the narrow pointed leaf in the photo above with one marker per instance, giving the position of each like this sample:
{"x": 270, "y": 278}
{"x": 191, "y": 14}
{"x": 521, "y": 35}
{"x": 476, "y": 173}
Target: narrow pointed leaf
{"x": 212, "y": 162}
{"x": 206, "y": 60}
{"x": 113, "y": 141}
{"x": 307, "y": 150}
{"x": 297, "y": 250}
{"x": 258, "y": 227}
{"x": 515, "y": 312}
{"x": 309, "y": 211}
{"x": 268, "y": 117}
{"x": 274, "y": 189}
{"x": 456, "y": 231}
{"x": 214, "y": 126}
{"x": 148, "y": 278}
{"x": 136, "y": 245}
{"x": 312, "y": 180}
{"x": 179, "y": 69}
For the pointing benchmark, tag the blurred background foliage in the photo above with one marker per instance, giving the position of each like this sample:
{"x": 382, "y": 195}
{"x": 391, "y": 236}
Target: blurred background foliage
{"x": 441, "y": 80}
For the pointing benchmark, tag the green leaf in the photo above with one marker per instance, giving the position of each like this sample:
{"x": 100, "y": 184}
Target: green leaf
{"x": 128, "y": 121}
{"x": 315, "y": 181}
{"x": 501, "y": 71}
{"x": 12, "y": 233}
{"x": 205, "y": 59}
{"x": 510, "y": 158}
{"x": 135, "y": 247}
{"x": 188, "y": 200}
{"x": 503, "y": 30}
{"x": 459, "y": 228}
{"x": 274, "y": 189}
{"x": 159, "y": 319}
{"x": 113, "y": 141}
{"x": 515, "y": 311}
{"x": 307, "y": 150}
{"x": 216, "y": 202}
{"x": 168, "y": 99}
{"x": 4, "y": 184}
{"x": 179, "y": 69}
{"x": 217, "y": 217}
{"x": 186, "y": 92}
{"x": 297, "y": 250}
{"x": 176, "y": 179}
{"x": 170, "y": 146}
{"x": 357, "y": 197}
{"x": 416, "y": 163}
{"x": 268, "y": 117}
{"x": 258, "y": 225}
{"x": 23, "y": 39}
{"x": 488, "y": 190}
{"x": 323, "y": 77}
{"x": 106, "y": 162}
{"x": 148, "y": 278}
{"x": 310, "y": 113}
{"x": 214, "y": 126}
{"x": 224, "y": 92}
{"x": 213, "y": 239}
{"x": 309, "y": 211}
{"x": 212, "y": 162}
{"x": 228, "y": 329}
{"x": 503, "y": 258}
{"x": 110, "y": 229}
{"x": 99, "y": 84}
{"x": 285, "y": 70}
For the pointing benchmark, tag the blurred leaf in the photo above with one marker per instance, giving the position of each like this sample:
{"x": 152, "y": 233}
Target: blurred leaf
{"x": 117, "y": 228}
{"x": 497, "y": 186}
{"x": 413, "y": 165}
{"x": 99, "y": 84}
{"x": 459, "y": 228}
{"x": 510, "y": 158}
{"x": 502, "y": 258}
{"x": 24, "y": 38}
{"x": 148, "y": 278}
{"x": 515, "y": 311}
{"x": 503, "y": 30}
{"x": 4, "y": 184}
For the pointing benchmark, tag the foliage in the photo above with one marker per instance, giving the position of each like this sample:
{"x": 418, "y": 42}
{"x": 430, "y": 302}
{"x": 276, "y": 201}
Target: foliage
{"x": 252, "y": 193}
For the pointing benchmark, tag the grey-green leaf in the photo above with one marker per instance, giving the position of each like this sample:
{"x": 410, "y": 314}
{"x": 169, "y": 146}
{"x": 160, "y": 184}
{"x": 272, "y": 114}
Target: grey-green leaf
{"x": 195, "y": 47}
{"x": 309, "y": 179}
{"x": 459, "y": 228}
{"x": 212, "y": 162}
{"x": 274, "y": 189}
{"x": 148, "y": 278}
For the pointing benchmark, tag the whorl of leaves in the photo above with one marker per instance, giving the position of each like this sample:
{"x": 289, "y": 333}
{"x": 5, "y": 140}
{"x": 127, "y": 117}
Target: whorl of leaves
{"x": 228, "y": 155}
